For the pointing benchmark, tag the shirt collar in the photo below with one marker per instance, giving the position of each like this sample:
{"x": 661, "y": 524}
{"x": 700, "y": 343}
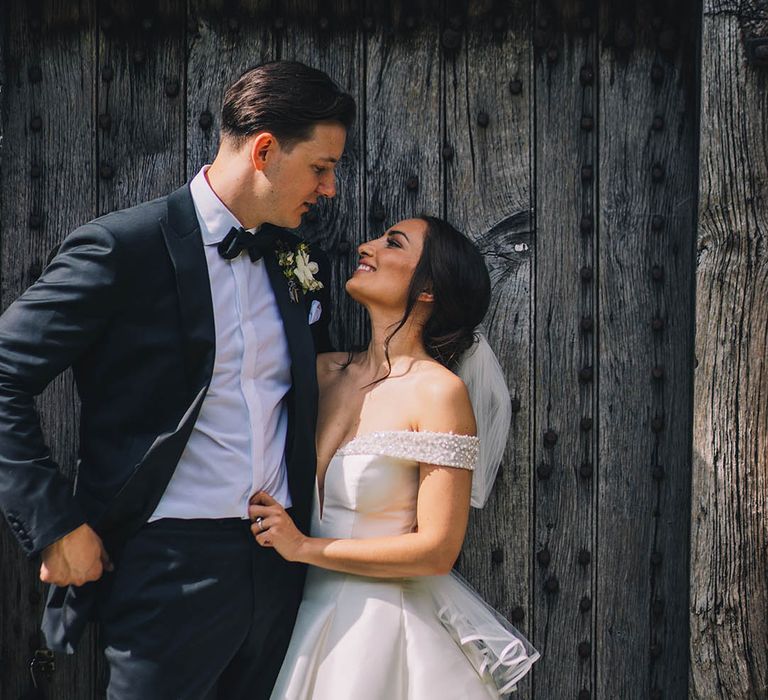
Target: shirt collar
{"x": 212, "y": 214}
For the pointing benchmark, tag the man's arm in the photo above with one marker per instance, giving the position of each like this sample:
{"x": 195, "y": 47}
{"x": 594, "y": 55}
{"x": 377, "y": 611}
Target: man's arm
{"x": 41, "y": 334}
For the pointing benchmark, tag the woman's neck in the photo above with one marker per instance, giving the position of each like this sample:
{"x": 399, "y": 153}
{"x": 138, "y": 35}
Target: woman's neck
{"x": 405, "y": 346}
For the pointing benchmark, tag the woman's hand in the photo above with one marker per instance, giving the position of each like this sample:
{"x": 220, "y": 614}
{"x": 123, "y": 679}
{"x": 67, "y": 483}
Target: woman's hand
{"x": 273, "y": 527}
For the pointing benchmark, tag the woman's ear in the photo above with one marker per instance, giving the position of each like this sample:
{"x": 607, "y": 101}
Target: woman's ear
{"x": 426, "y": 296}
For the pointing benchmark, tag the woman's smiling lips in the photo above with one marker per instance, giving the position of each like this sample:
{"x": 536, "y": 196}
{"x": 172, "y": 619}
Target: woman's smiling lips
{"x": 364, "y": 267}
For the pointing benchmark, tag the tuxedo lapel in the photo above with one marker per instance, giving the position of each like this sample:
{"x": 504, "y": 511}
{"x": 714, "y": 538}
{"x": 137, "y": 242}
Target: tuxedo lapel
{"x": 185, "y": 248}
{"x": 300, "y": 343}
{"x": 302, "y": 399}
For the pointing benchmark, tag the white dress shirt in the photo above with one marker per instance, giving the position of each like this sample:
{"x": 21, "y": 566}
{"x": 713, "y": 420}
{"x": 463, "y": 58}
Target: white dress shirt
{"x": 238, "y": 442}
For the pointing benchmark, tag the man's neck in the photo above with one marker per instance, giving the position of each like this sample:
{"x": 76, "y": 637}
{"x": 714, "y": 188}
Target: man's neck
{"x": 234, "y": 190}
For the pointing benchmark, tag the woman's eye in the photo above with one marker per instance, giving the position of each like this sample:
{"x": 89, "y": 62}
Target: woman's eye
{"x": 392, "y": 243}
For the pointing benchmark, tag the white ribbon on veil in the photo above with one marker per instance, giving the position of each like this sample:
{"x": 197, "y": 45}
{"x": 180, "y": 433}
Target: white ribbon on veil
{"x": 494, "y": 647}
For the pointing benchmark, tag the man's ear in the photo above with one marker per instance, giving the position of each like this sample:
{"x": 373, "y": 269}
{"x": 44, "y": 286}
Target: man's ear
{"x": 262, "y": 147}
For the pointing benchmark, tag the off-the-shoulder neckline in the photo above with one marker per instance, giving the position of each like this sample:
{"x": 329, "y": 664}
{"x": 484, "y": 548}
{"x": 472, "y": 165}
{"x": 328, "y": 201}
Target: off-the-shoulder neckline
{"x": 382, "y": 433}
{"x": 340, "y": 451}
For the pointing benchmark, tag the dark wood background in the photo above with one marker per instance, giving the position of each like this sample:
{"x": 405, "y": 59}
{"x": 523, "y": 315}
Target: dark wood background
{"x": 564, "y": 138}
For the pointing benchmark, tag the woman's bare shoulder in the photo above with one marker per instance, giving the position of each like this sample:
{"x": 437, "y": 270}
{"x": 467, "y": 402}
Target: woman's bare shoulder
{"x": 438, "y": 381}
{"x": 444, "y": 404}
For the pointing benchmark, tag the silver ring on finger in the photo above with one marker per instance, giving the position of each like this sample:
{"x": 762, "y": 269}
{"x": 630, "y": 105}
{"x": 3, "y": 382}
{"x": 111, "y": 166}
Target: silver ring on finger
{"x": 259, "y": 522}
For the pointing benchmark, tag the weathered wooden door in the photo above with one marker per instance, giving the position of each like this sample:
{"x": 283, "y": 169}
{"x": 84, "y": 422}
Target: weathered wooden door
{"x": 561, "y": 136}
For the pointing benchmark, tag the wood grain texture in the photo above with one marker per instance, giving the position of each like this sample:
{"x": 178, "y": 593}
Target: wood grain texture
{"x": 564, "y": 450}
{"x": 402, "y": 116}
{"x": 224, "y": 39}
{"x": 488, "y": 192}
{"x": 645, "y": 272}
{"x": 729, "y": 540}
{"x": 336, "y": 47}
{"x": 47, "y": 173}
{"x": 140, "y": 103}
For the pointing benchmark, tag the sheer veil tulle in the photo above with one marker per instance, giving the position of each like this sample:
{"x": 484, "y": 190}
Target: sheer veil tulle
{"x": 496, "y": 649}
{"x": 481, "y": 372}
{"x": 499, "y": 653}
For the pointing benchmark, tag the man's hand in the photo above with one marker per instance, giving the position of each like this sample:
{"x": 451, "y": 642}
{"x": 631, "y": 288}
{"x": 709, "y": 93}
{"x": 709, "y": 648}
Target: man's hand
{"x": 75, "y": 559}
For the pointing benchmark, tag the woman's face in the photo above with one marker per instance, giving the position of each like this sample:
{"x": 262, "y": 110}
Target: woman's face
{"x": 386, "y": 265}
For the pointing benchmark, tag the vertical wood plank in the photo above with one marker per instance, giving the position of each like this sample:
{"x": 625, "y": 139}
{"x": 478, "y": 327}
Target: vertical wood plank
{"x": 647, "y": 131}
{"x": 403, "y": 126}
{"x": 224, "y": 39}
{"x": 331, "y": 39}
{"x": 488, "y": 194}
{"x": 729, "y": 550}
{"x": 565, "y": 359}
{"x": 140, "y": 102}
{"x": 47, "y": 192}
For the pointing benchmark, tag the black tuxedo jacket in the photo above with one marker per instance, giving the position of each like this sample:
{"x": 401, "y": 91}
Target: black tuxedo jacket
{"x": 126, "y": 303}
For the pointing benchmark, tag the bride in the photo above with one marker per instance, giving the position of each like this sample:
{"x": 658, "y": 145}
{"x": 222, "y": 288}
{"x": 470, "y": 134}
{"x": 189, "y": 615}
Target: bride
{"x": 382, "y": 615}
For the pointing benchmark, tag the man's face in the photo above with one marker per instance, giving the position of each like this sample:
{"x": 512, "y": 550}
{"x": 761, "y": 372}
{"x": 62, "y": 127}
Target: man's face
{"x": 299, "y": 177}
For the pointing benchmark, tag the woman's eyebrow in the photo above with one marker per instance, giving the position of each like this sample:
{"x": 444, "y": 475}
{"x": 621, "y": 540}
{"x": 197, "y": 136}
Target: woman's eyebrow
{"x": 395, "y": 232}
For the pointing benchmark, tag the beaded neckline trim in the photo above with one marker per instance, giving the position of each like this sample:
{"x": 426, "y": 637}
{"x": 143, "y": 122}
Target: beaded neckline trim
{"x": 446, "y": 449}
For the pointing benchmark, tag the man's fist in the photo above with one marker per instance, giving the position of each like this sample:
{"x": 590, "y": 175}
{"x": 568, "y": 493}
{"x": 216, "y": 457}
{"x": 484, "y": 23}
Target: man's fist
{"x": 75, "y": 559}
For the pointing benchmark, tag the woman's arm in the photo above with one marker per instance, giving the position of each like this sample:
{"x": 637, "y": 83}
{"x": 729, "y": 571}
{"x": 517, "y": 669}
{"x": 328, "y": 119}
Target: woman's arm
{"x": 442, "y": 511}
{"x": 443, "y": 507}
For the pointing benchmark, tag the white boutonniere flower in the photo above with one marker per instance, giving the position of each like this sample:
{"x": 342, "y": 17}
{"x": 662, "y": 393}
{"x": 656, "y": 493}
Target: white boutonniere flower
{"x": 298, "y": 269}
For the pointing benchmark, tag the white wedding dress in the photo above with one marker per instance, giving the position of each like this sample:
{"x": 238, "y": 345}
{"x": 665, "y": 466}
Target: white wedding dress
{"x": 421, "y": 638}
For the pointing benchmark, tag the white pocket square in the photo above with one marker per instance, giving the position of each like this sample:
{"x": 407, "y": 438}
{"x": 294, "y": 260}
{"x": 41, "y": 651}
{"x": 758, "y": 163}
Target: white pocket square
{"x": 315, "y": 311}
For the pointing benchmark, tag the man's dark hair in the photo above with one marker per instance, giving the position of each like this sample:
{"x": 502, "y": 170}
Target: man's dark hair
{"x": 286, "y": 98}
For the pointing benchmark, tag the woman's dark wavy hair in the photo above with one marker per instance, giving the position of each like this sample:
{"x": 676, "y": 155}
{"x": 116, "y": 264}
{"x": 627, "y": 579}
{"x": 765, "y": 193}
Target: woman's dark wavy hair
{"x": 286, "y": 98}
{"x": 452, "y": 269}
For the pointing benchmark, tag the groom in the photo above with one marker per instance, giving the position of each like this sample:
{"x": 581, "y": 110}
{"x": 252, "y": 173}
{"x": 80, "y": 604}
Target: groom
{"x": 192, "y": 341}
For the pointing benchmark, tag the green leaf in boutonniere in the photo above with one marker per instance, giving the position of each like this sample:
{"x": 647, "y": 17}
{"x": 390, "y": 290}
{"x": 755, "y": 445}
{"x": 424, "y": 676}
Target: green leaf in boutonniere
{"x": 298, "y": 269}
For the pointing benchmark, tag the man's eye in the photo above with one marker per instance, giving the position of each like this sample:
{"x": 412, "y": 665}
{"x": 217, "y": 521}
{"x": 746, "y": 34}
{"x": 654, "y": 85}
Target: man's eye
{"x": 318, "y": 169}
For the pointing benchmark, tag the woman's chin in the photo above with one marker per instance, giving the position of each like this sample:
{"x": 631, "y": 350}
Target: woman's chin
{"x": 352, "y": 288}
{"x": 356, "y": 289}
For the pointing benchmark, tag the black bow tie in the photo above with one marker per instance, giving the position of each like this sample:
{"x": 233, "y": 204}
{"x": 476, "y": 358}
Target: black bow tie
{"x": 238, "y": 240}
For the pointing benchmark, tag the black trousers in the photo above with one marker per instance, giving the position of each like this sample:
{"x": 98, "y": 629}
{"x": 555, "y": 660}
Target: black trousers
{"x": 196, "y": 610}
